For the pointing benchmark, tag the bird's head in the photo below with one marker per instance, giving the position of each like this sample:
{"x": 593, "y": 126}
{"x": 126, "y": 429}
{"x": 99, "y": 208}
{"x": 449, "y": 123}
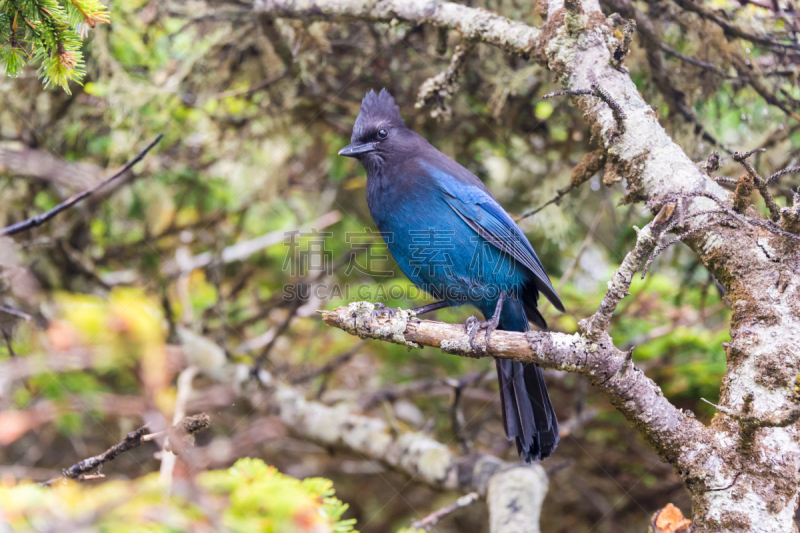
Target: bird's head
{"x": 378, "y": 131}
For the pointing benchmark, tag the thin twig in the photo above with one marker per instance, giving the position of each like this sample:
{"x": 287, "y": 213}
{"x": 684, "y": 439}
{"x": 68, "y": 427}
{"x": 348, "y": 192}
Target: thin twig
{"x": 15, "y": 312}
{"x": 330, "y": 366}
{"x": 680, "y": 237}
{"x": 693, "y": 60}
{"x": 168, "y": 455}
{"x": 40, "y": 219}
{"x": 778, "y": 174}
{"x": 134, "y": 439}
{"x": 599, "y": 92}
{"x": 431, "y": 520}
{"x": 732, "y": 29}
{"x": 591, "y": 163}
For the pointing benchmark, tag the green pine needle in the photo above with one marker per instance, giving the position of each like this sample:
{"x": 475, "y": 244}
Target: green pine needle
{"x": 49, "y": 34}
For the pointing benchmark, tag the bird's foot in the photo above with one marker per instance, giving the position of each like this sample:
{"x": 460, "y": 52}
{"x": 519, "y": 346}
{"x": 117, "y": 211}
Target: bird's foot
{"x": 473, "y": 325}
{"x": 381, "y": 309}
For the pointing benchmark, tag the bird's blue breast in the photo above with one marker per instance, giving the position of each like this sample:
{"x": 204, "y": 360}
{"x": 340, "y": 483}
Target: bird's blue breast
{"x": 433, "y": 245}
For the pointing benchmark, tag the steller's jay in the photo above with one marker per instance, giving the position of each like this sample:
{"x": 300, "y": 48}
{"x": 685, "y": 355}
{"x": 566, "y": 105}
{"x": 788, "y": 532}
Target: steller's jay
{"x": 452, "y": 239}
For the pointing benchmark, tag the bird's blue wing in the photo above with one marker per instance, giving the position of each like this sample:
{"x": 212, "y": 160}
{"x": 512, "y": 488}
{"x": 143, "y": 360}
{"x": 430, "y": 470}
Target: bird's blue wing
{"x": 481, "y": 212}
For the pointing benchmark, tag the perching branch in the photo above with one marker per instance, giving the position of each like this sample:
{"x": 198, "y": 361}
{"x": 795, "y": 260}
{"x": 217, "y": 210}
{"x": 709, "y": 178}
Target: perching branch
{"x": 612, "y": 370}
{"x": 591, "y": 354}
{"x": 40, "y": 219}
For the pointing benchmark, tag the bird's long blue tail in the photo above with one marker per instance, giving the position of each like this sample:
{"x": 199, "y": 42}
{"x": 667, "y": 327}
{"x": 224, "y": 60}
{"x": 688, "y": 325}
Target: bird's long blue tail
{"x": 528, "y": 415}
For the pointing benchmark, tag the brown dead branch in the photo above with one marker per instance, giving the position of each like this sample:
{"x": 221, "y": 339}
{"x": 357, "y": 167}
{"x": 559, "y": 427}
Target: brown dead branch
{"x": 189, "y": 426}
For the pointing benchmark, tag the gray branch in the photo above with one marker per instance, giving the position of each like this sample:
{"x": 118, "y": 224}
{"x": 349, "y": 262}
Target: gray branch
{"x": 422, "y": 458}
{"x": 472, "y": 23}
{"x": 633, "y": 393}
{"x": 620, "y": 283}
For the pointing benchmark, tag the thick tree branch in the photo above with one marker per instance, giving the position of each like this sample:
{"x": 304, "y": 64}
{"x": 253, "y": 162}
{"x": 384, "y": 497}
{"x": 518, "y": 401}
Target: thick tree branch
{"x": 420, "y": 457}
{"x": 472, "y": 23}
{"x": 612, "y": 370}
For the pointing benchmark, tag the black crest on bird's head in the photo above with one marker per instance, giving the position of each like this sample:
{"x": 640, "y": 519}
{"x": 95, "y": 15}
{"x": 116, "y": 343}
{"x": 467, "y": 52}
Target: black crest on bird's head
{"x": 377, "y": 111}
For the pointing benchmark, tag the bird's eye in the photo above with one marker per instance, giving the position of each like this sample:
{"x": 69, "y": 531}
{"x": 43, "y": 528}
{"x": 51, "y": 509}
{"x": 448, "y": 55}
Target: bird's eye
{"x": 383, "y": 133}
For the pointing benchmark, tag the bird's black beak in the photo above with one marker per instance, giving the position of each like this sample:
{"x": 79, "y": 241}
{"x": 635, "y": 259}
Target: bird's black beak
{"x": 355, "y": 149}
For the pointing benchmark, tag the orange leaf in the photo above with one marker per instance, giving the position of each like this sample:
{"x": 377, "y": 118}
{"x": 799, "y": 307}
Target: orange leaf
{"x": 670, "y": 520}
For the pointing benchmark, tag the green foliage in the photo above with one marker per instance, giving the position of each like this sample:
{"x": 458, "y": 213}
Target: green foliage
{"x": 250, "y": 496}
{"x": 50, "y": 32}
{"x": 263, "y": 499}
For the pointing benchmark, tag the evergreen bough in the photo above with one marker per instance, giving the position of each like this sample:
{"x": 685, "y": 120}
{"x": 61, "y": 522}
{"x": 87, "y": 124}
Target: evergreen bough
{"x": 48, "y": 33}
